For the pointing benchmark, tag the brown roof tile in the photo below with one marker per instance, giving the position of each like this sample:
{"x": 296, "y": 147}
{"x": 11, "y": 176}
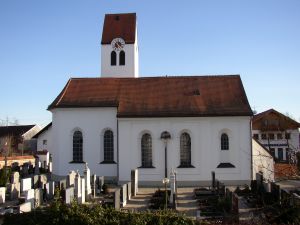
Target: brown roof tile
{"x": 119, "y": 25}
{"x": 158, "y": 96}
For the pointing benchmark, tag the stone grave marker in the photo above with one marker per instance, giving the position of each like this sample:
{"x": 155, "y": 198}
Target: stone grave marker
{"x": 25, "y": 207}
{"x": 37, "y": 166}
{"x": 87, "y": 178}
{"x": 38, "y": 197}
{"x": 134, "y": 182}
{"x": 25, "y": 184}
{"x": 15, "y": 178}
{"x": 29, "y": 196}
{"x": 69, "y": 195}
{"x": 14, "y": 190}
{"x": 77, "y": 187}
{"x": 25, "y": 169}
{"x": 172, "y": 187}
{"x": 71, "y": 178}
{"x": 62, "y": 184}
{"x": 35, "y": 181}
{"x": 83, "y": 191}
{"x": 123, "y": 195}
{"x": 42, "y": 180}
{"x": 117, "y": 199}
{"x": 50, "y": 186}
{"x": 94, "y": 188}
{"x": 129, "y": 190}
{"x": 2, "y": 194}
{"x": 100, "y": 182}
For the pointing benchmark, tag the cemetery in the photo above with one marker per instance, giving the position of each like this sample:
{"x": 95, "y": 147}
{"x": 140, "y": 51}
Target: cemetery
{"x": 33, "y": 188}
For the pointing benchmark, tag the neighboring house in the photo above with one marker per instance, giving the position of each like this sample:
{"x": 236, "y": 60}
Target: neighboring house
{"x": 263, "y": 161}
{"x": 120, "y": 121}
{"x": 17, "y": 139}
{"x": 278, "y": 133}
{"x": 43, "y": 138}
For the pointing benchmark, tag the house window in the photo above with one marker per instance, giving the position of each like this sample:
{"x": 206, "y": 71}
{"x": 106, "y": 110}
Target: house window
{"x": 185, "y": 150}
{"x": 108, "y": 142}
{"x": 146, "y": 147}
{"x": 255, "y": 136}
{"x": 280, "y": 154}
{"x": 264, "y": 136}
{"x": 77, "y": 146}
{"x": 44, "y": 142}
{"x": 122, "y": 58}
{"x": 224, "y": 142}
{"x": 279, "y": 136}
{"x": 271, "y": 136}
{"x": 287, "y": 136}
{"x": 113, "y": 58}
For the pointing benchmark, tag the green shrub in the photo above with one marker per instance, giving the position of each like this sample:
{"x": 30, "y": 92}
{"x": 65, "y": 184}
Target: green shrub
{"x": 74, "y": 214}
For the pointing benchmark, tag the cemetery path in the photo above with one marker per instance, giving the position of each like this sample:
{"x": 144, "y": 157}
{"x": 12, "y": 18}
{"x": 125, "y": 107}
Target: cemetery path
{"x": 186, "y": 203}
{"x": 141, "y": 200}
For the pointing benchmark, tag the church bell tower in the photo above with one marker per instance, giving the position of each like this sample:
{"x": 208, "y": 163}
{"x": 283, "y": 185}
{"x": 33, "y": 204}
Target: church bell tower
{"x": 119, "y": 46}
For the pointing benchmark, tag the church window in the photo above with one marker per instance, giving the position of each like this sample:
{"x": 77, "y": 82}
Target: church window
{"x": 77, "y": 146}
{"x": 108, "y": 146}
{"x": 287, "y": 136}
{"x": 146, "y": 144}
{"x": 122, "y": 58}
{"x": 185, "y": 150}
{"x": 113, "y": 58}
{"x": 224, "y": 142}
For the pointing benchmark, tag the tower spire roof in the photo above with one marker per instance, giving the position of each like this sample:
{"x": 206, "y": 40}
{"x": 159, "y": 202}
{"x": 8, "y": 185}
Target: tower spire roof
{"x": 119, "y": 25}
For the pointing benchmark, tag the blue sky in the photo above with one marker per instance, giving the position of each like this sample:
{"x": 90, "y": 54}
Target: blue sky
{"x": 44, "y": 43}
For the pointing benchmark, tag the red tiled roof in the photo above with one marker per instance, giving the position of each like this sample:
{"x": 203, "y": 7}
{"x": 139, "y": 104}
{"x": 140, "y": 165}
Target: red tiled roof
{"x": 119, "y": 25}
{"x": 14, "y": 130}
{"x": 158, "y": 96}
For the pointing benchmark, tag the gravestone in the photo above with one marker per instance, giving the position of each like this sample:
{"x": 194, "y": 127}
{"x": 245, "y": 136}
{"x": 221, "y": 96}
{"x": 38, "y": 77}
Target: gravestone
{"x": 62, "y": 184}
{"x": 213, "y": 180}
{"x": 25, "y": 184}
{"x": 37, "y": 166}
{"x": 14, "y": 190}
{"x": 42, "y": 180}
{"x": 172, "y": 187}
{"x": 69, "y": 195}
{"x": 77, "y": 187}
{"x": 38, "y": 197}
{"x": 134, "y": 182}
{"x": 15, "y": 178}
{"x": 94, "y": 187}
{"x": 50, "y": 186}
{"x": 71, "y": 178}
{"x": 25, "y": 169}
{"x": 2, "y": 194}
{"x": 83, "y": 191}
{"x": 117, "y": 199}
{"x": 100, "y": 182}
{"x": 29, "y": 196}
{"x": 87, "y": 178}
{"x": 50, "y": 167}
{"x": 35, "y": 181}
{"x": 123, "y": 194}
{"x": 25, "y": 207}
{"x": 129, "y": 190}
{"x": 275, "y": 190}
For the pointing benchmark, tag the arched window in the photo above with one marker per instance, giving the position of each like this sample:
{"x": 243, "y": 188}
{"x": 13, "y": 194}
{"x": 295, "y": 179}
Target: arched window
{"x": 113, "y": 58}
{"x": 122, "y": 58}
{"x": 185, "y": 150}
{"x": 108, "y": 141}
{"x": 146, "y": 145}
{"x": 77, "y": 146}
{"x": 224, "y": 142}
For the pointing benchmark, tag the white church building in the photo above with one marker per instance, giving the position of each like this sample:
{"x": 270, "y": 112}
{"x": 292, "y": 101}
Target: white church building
{"x": 121, "y": 121}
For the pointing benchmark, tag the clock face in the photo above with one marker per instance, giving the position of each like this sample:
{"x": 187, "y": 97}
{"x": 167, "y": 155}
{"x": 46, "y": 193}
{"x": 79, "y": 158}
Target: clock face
{"x": 117, "y": 44}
